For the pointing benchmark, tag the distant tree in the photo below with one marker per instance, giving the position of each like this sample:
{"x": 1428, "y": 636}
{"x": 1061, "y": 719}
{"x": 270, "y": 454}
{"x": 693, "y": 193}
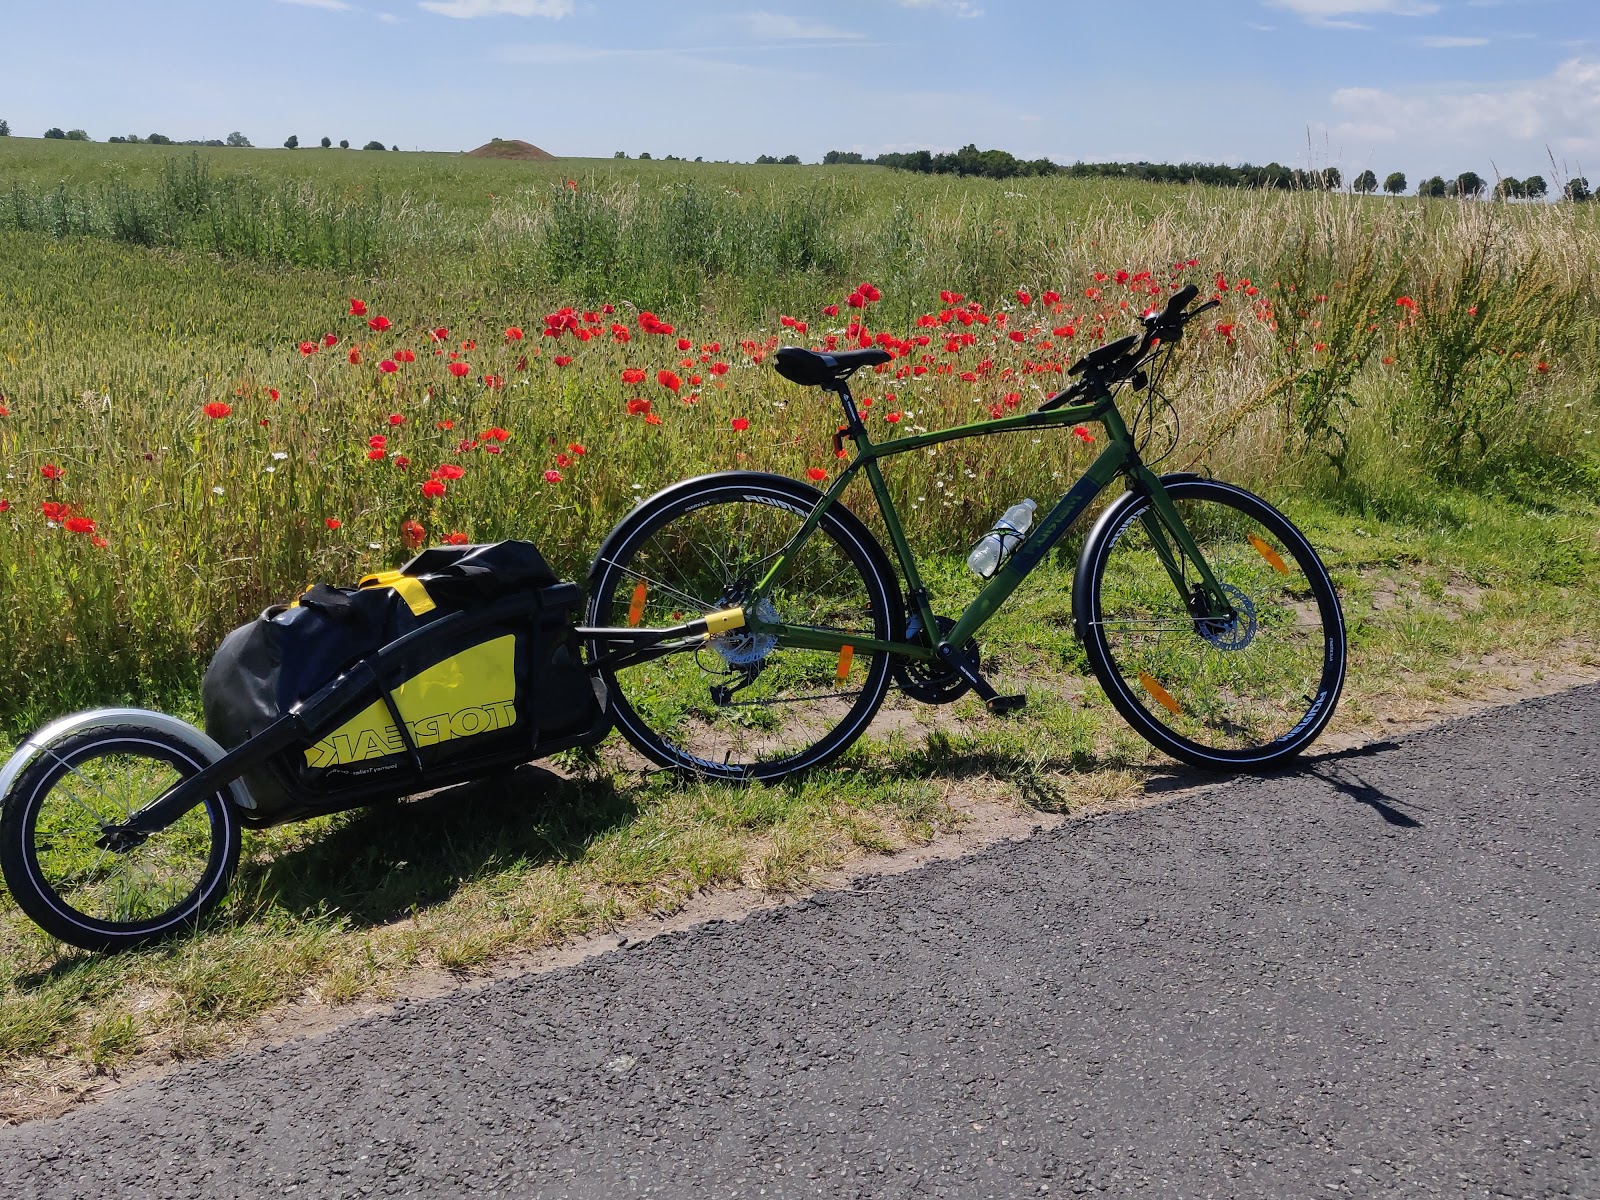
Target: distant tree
{"x": 159, "y": 139}
{"x": 1469, "y": 184}
{"x": 790, "y": 160}
{"x": 644, "y": 155}
{"x": 326, "y": 142}
{"x": 1366, "y": 183}
{"x": 56, "y": 132}
{"x": 1332, "y": 180}
{"x": 5, "y": 129}
{"x": 841, "y": 158}
{"x": 620, "y": 154}
{"x": 697, "y": 158}
{"x": 293, "y": 142}
{"x": 1509, "y": 188}
{"x": 115, "y": 140}
{"x": 238, "y": 140}
{"x": 374, "y": 146}
{"x": 396, "y": 149}
{"x": 766, "y": 160}
{"x": 1535, "y": 188}
{"x": 78, "y": 135}
{"x": 1577, "y": 190}
{"x": 1395, "y": 183}
{"x": 1434, "y": 187}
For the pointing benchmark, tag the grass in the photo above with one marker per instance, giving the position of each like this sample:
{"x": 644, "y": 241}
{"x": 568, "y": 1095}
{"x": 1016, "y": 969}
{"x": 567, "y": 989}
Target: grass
{"x": 1448, "y": 479}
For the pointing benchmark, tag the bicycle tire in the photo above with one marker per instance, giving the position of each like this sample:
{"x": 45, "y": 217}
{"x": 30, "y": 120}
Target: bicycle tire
{"x": 665, "y": 708}
{"x": 38, "y": 846}
{"x": 1242, "y": 695}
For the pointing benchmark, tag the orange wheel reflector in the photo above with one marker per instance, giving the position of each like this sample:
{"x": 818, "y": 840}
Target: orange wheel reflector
{"x": 636, "y": 605}
{"x": 1163, "y": 697}
{"x": 1271, "y": 555}
{"x": 846, "y": 653}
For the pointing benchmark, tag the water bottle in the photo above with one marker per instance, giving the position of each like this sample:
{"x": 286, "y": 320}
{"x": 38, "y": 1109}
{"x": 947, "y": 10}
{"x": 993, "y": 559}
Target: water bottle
{"x": 995, "y": 547}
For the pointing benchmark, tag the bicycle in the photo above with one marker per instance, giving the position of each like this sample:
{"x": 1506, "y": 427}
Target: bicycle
{"x": 1206, "y": 615}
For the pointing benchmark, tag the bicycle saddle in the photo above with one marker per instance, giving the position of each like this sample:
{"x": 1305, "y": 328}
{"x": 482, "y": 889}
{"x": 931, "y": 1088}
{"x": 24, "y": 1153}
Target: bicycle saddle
{"x": 810, "y": 369}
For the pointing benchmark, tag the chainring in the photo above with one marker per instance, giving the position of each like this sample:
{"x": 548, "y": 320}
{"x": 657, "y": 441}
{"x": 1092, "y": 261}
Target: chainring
{"x": 929, "y": 680}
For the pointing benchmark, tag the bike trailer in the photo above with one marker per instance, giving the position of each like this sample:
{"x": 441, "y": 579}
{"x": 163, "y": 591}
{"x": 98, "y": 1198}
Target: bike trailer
{"x": 463, "y": 660}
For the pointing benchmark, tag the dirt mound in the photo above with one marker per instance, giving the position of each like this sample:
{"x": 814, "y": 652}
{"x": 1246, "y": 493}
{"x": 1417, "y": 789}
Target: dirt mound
{"x": 512, "y": 148}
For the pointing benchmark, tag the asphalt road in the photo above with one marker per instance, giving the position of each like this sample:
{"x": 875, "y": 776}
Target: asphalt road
{"x": 1375, "y": 979}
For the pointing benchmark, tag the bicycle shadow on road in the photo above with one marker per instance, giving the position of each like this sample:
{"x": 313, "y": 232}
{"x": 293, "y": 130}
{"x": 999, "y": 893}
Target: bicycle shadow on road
{"x": 1332, "y": 768}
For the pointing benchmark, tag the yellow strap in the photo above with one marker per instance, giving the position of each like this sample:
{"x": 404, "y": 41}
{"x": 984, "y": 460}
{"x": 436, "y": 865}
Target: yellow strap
{"x": 408, "y": 587}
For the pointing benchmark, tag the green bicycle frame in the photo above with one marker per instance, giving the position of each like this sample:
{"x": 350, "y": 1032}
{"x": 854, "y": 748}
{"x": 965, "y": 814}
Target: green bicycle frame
{"x": 1120, "y": 456}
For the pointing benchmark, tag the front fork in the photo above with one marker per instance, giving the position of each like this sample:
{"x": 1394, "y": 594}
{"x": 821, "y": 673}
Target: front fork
{"x": 1175, "y": 545}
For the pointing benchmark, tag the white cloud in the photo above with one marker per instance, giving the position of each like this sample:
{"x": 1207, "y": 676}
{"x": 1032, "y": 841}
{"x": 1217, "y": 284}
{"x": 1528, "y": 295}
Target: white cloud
{"x": 956, "y": 8}
{"x": 1335, "y": 14}
{"x": 776, "y": 26}
{"x": 1453, "y": 43}
{"x": 1561, "y": 110}
{"x": 330, "y": 5}
{"x": 466, "y": 9}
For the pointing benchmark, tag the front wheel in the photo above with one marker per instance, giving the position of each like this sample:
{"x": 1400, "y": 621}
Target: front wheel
{"x": 100, "y": 898}
{"x": 744, "y": 705}
{"x": 1246, "y": 690}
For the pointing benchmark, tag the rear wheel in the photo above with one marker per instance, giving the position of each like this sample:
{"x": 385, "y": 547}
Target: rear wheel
{"x": 744, "y": 706}
{"x": 1247, "y": 690}
{"x": 97, "y": 897}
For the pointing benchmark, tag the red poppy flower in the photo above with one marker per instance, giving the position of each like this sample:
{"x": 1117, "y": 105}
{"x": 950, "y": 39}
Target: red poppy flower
{"x": 652, "y": 419}
{"x": 396, "y": 419}
{"x": 375, "y": 455}
{"x": 1543, "y": 367}
{"x": 272, "y": 394}
{"x": 1051, "y": 297}
{"x": 856, "y": 300}
{"x": 893, "y": 418}
{"x": 433, "y": 488}
{"x": 379, "y": 324}
{"x": 330, "y": 340}
{"x": 406, "y": 356}
{"x": 388, "y": 367}
{"x": 5, "y": 505}
{"x": 494, "y": 382}
{"x": 668, "y": 380}
{"x": 830, "y": 310}
{"x": 816, "y": 473}
{"x": 333, "y": 523}
{"x": 562, "y": 360}
{"x": 469, "y": 344}
{"x": 440, "y": 334}
{"x": 1083, "y": 435}
{"x": 552, "y": 476}
{"x": 638, "y": 407}
{"x": 51, "y": 471}
{"x": 684, "y": 343}
{"x": 718, "y": 368}
{"x": 495, "y": 434}
{"x": 467, "y": 445}
{"x": 455, "y": 538}
{"x": 216, "y": 410}
{"x": 513, "y": 334}
{"x": 355, "y": 358}
{"x": 459, "y": 369}
{"x": 449, "y": 471}
{"x": 401, "y": 462}
{"x": 308, "y": 348}
{"x": 633, "y": 375}
{"x": 413, "y": 533}
{"x": 446, "y": 425}
{"x": 1023, "y": 298}
{"x": 577, "y": 447}
{"x": 1406, "y": 302}
{"x": 78, "y": 525}
{"x": 740, "y": 424}
{"x": 98, "y": 542}
{"x": 358, "y": 308}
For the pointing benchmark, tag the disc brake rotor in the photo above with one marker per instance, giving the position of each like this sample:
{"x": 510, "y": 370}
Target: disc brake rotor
{"x": 744, "y": 647}
{"x": 1236, "y": 632}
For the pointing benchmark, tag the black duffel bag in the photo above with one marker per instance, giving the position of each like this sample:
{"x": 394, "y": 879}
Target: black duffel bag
{"x": 473, "y": 698}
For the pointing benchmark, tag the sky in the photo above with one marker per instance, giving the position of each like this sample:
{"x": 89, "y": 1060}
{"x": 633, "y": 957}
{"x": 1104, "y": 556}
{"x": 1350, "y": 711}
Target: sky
{"x": 1420, "y": 86}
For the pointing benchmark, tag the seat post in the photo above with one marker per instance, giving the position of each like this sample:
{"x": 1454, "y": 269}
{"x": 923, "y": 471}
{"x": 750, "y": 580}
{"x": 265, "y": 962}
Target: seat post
{"x": 841, "y": 389}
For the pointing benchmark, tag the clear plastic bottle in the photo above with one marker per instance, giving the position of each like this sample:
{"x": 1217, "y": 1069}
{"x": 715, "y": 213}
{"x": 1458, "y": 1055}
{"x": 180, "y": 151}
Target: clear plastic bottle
{"x": 995, "y": 547}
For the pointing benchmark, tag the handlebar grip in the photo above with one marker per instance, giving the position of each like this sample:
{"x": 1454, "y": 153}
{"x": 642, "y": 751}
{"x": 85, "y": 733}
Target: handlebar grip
{"x": 1179, "y": 302}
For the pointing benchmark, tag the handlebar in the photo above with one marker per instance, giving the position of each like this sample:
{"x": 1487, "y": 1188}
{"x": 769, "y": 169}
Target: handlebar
{"x": 1116, "y": 361}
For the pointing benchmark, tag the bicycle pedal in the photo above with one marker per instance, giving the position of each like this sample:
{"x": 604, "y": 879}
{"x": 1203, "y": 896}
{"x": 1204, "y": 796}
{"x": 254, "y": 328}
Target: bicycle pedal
{"x": 1001, "y": 705}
